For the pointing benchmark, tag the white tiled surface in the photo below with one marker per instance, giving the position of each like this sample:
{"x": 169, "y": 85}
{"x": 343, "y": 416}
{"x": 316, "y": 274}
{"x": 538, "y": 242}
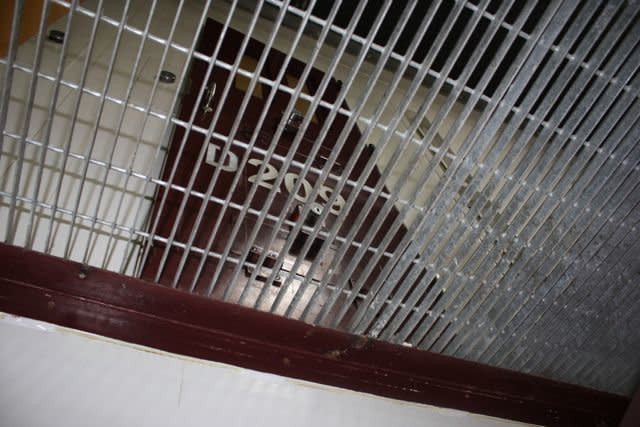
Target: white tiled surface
{"x": 133, "y": 147}
{"x": 53, "y": 376}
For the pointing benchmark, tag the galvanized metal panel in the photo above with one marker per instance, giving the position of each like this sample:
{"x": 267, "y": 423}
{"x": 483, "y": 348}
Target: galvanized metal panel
{"x": 487, "y": 208}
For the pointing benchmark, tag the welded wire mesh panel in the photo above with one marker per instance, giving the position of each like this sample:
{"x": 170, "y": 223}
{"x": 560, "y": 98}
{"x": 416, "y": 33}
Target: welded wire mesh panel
{"x": 457, "y": 176}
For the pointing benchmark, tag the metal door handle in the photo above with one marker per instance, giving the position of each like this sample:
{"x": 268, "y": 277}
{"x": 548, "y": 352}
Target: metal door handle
{"x": 208, "y": 93}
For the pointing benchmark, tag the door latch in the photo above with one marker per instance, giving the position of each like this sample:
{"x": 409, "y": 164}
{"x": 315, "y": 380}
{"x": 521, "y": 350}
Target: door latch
{"x": 208, "y": 99}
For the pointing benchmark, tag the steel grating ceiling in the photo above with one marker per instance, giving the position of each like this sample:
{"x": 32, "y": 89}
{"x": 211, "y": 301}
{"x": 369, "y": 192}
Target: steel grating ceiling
{"x": 455, "y": 176}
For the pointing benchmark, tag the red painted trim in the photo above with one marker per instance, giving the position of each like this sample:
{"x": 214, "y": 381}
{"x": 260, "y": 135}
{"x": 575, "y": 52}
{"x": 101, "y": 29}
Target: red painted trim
{"x": 55, "y": 290}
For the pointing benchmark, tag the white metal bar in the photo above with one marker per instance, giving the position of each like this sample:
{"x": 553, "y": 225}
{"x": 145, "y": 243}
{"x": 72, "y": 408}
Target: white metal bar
{"x": 94, "y": 132}
{"x": 74, "y": 116}
{"x": 234, "y": 129}
{"x": 522, "y": 142}
{"x": 436, "y": 230}
{"x": 551, "y": 178}
{"x": 138, "y": 139}
{"x": 31, "y": 95}
{"x": 344, "y": 133}
{"x": 485, "y": 42}
{"x": 296, "y": 142}
{"x": 197, "y": 194}
{"x": 484, "y": 131}
{"x": 422, "y": 180}
{"x": 426, "y": 105}
{"x": 245, "y": 157}
{"x": 192, "y": 117}
{"x": 225, "y": 150}
{"x": 132, "y": 80}
{"x": 49, "y": 125}
{"x": 5, "y": 91}
{"x": 469, "y": 232}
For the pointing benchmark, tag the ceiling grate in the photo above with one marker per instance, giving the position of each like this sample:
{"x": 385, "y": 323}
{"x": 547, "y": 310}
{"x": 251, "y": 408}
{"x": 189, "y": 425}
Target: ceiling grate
{"x": 456, "y": 176}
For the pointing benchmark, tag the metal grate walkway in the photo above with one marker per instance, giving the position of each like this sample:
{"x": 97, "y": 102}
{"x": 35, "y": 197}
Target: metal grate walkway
{"x": 457, "y": 176}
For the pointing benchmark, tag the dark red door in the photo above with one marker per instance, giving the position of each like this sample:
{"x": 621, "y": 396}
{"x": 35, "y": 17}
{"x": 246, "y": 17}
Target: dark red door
{"x": 227, "y": 218}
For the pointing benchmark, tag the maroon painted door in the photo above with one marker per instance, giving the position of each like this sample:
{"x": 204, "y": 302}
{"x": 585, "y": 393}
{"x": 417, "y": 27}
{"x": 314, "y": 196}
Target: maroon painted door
{"x": 227, "y": 218}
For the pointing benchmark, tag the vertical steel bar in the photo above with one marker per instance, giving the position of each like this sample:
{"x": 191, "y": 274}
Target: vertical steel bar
{"x": 245, "y": 101}
{"x": 422, "y": 180}
{"x": 294, "y": 146}
{"x": 443, "y": 230}
{"x": 203, "y": 150}
{"x": 540, "y": 144}
{"x": 430, "y": 273}
{"x": 167, "y": 124}
{"x": 297, "y": 140}
{"x": 233, "y": 132}
{"x": 464, "y": 235}
{"x": 49, "y": 125}
{"x": 94, "y": 132}
{"x": 187, "y": 130}
{"x": 5, "y": 91}
{"x": 550, "y": 180}
{"x": 132, "y": 80}
{"x": 74, "y": 118}
{"x": 480, "y": 137}
{"x": 31, "y": 95}
{"x": 269, "y": 153}
{"x": 393, "y": 162}
{"x": 344, "y": 132}
{"x": 138, "y": 139}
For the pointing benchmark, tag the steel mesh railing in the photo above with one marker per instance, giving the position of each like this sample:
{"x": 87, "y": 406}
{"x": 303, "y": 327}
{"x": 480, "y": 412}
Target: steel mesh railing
{"x": 478, "y": 196}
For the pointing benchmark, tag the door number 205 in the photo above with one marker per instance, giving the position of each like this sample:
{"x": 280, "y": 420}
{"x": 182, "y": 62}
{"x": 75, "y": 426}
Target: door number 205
{"x": 230, "y": 164}
{"x": 290, "y": 179}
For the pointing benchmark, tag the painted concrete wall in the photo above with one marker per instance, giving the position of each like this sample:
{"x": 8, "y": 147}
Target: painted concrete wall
{"x": 134, "y": 148}
{"x": 53, "y": 376}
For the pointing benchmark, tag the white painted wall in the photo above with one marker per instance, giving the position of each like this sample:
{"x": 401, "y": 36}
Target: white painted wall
{"x": 107, "y": 247}
{"x": 135, "y": 146}
{"x": 53, "y": 376}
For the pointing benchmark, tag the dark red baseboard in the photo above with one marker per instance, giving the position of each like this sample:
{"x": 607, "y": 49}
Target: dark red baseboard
{"x": 59, "y": 291}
